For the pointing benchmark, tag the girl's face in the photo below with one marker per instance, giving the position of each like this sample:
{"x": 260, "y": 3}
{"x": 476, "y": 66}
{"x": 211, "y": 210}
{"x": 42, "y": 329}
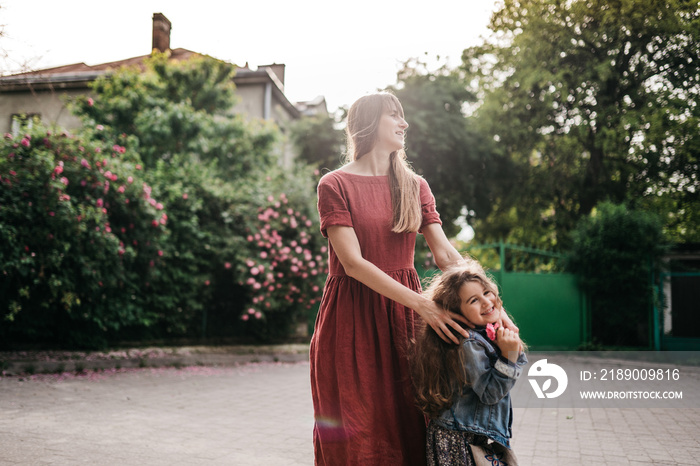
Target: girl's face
{"x": 391, "y": 130}
{"x": 478, "y": 304}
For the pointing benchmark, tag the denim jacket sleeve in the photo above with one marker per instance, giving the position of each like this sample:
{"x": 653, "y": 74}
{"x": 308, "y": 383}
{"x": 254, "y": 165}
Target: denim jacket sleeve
{"x": 490, "y": 376}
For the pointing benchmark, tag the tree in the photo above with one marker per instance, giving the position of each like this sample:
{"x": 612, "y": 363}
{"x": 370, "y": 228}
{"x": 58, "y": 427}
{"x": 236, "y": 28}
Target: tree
{"x": 318, "y": 141}
{"x": 178, "y": 110}
{"x": 615, "y": 251}
{"x": 442, "y": 145}
{"x": 592, "y": 100}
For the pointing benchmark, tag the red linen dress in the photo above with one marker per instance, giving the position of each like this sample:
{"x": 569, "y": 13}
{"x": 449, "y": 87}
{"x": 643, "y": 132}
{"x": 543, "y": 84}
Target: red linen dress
{"x": 363, "y": 398}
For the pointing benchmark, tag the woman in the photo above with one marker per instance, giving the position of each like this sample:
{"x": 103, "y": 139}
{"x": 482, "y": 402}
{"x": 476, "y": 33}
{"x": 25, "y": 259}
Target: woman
{"x": 371, "y": 209}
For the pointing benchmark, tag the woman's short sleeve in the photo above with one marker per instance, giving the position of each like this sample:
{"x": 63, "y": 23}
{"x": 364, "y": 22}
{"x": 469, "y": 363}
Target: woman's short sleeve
{"x": 427, "y": 202}
{"x": 332, "y": 205}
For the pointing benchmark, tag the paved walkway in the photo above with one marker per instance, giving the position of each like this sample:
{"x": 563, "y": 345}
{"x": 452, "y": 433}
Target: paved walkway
{"x": 261, "y": 414}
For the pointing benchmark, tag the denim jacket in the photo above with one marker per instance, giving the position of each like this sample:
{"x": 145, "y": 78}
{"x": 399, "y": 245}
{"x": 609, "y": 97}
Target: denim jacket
{"x": 484, "y": 405}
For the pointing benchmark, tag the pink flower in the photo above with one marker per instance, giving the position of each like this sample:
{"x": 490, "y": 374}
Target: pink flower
{"x": 130, "y": 179}
{"x": 64, "y": 180}
{"x": 121, "y": 188}
{"x": 85, "y": 163}
{"x": 160, "y": 253}
{"x": 263, "y": 255}
{"x": 244, "y": 317}
{"x": 51, "y": 214}
{"x": 227, "y": 265}
{"x": 207, "y": 282}
{"x": 99, "y": 127}
{"x": 100, "y": 202}
{"x": 25, "y": 142}
{"x": 491, "y": 330}
{"x": 251, "y": 311}
{"x": 138, "y": 166}
{"x": 258, "y": 315}
{"x": 90, "y": 101}
{"x": 13, "y": 173}
{"x": 184, "y": 196}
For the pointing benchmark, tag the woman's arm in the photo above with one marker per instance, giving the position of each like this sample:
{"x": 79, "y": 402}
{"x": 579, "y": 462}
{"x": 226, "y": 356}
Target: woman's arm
{"x": 347, "y": 248}
{"x": 446, "y": 256}
{"x": 444, "y": 253}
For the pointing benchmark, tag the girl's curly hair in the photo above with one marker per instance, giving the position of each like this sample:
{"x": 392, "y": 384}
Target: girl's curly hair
{"x": 438, "y": 367}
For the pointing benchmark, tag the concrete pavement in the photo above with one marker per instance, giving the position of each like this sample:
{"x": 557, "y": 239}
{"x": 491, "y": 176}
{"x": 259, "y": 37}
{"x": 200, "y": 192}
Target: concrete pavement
{"x": 261, "y": 414}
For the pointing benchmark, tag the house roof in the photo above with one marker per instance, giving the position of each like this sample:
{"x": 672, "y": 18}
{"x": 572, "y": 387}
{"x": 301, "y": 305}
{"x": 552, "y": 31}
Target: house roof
{"x": 79, "y": 75}
{"x": 76, "y": 75}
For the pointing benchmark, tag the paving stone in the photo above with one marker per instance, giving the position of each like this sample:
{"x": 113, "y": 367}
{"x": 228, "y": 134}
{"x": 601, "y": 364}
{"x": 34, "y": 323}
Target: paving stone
{"x": 261, "y": 414}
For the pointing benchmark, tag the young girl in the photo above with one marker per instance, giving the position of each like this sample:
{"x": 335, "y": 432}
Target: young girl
{"x": 464, "y": 389}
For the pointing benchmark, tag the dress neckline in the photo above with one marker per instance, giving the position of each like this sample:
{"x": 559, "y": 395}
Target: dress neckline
{"x": 360, "y": 176}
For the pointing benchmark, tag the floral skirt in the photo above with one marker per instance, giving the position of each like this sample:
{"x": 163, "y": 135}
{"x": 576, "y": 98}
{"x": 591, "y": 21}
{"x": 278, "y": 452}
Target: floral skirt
{"x": 445, "y": 447}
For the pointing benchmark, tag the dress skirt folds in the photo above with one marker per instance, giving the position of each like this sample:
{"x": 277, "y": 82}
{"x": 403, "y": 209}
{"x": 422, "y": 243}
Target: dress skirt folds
{"x": 364, "y": 406}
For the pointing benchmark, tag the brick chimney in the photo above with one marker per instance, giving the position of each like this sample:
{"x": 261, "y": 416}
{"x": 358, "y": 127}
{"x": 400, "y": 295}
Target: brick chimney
{"x": 161, "y": 32}
{"x": 277, "y": 69}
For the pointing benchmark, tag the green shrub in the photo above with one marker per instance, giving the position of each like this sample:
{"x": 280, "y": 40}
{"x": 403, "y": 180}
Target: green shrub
{"x": 285, "y": 265}
{"x": 79, "y": 232}
{"x": 615, "y": 251}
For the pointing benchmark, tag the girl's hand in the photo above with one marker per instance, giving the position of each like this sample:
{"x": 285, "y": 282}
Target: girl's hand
{"x": 442, "y": 321}
{"x": 507, "y": 323}
{"x": 509, "y": 343}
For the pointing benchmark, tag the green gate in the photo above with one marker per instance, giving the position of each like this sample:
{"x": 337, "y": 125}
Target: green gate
{"x": 546, "y": 303}
{"x": 676, "y": 321}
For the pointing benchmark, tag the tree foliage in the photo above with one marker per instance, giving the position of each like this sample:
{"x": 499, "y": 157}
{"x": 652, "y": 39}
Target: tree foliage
{"x": 100, "y": 244}
{"x": 615, "y": 250}
{"x": 318, "y": 141}
{"x": 442, "y": 145}
{"x": 592, "y": 100}
{"x": 180, "y": 109}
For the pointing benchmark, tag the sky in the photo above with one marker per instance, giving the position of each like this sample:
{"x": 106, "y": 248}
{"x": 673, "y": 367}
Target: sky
{"x": 341, "y": 50}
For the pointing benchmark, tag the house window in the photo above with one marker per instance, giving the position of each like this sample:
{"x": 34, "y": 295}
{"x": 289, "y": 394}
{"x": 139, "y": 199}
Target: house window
{"x": 23, "y": 121}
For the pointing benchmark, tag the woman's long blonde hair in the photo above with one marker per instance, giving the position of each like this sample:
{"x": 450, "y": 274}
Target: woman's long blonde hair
{"x": 361, "y": 131}
{"x": 437, "y": 367}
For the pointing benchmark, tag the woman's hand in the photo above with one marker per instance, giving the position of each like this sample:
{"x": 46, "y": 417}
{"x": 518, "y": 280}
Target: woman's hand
{"x": 441, "y": 321}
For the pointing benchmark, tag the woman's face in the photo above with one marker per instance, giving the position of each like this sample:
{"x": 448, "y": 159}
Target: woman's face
{"x": 391, "y": 130}
{"x": 478, "y": 304}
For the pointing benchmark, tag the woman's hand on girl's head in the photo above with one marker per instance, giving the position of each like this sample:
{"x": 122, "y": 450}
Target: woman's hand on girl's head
{"x": 442, "y": 322}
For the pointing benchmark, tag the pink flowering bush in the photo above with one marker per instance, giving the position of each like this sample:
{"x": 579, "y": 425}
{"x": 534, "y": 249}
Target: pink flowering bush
{"x": 139, "y": 228}
{"x": 79, "y": 236}
{"x": 286, "y": 265}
